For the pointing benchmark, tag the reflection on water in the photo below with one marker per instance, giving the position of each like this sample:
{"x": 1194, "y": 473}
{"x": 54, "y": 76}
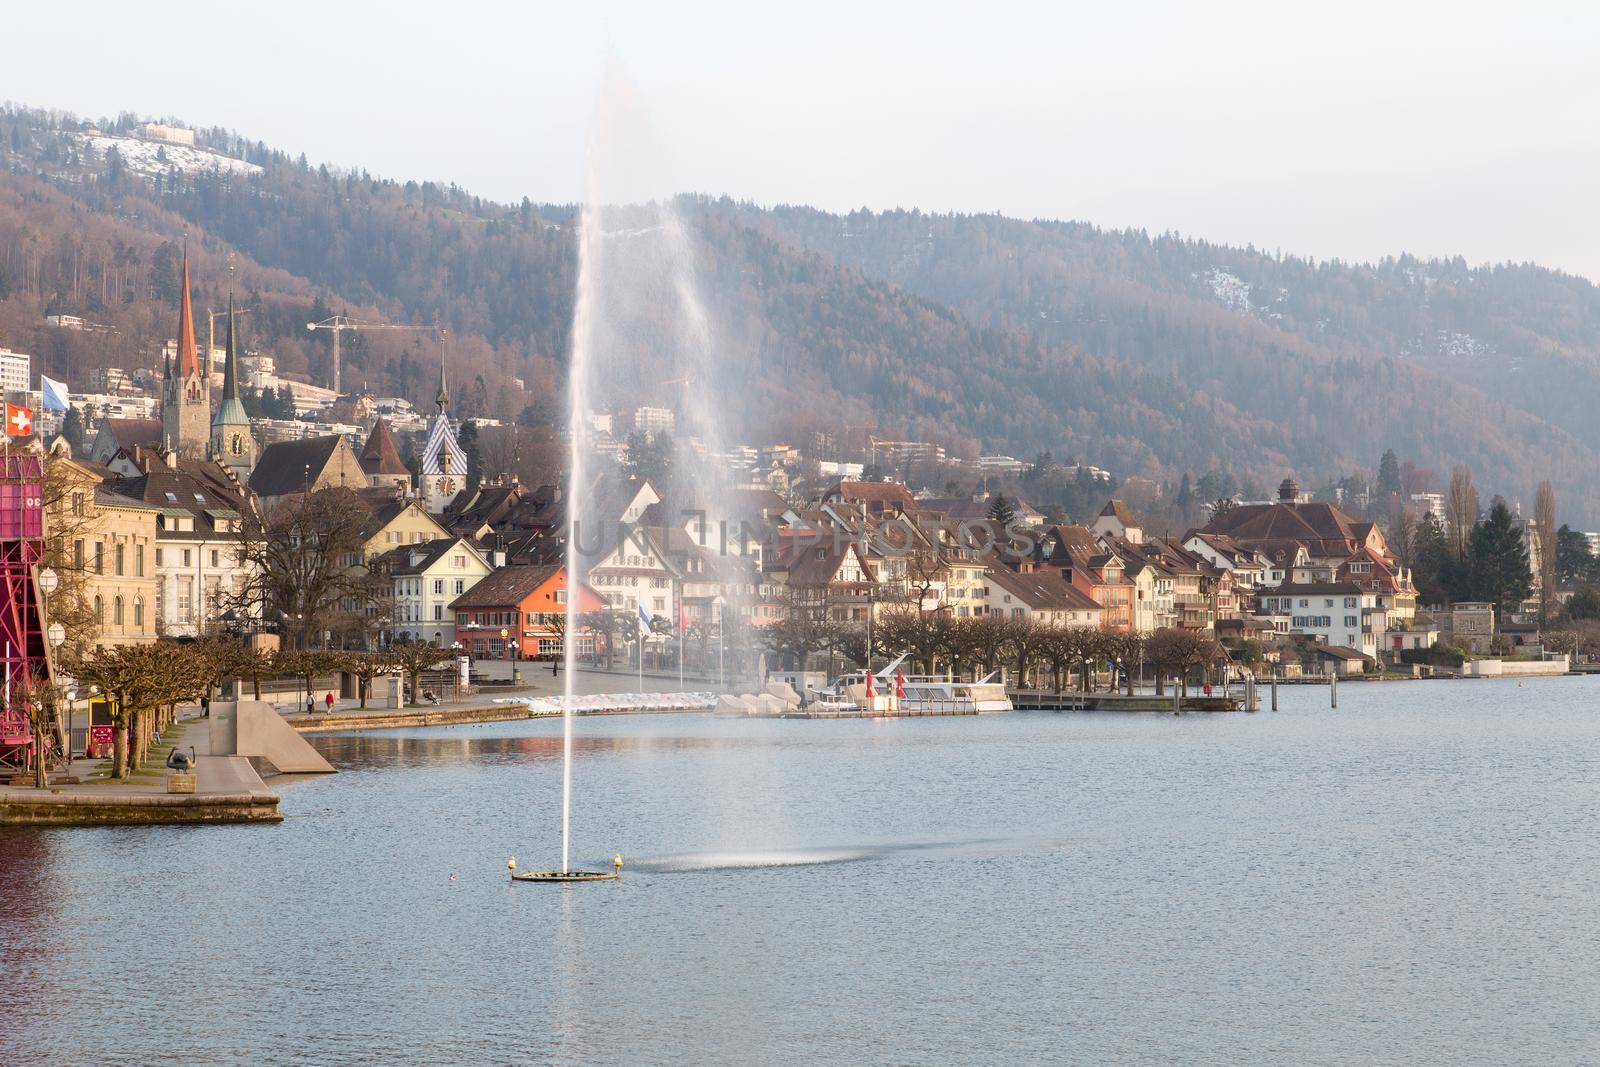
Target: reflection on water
{"x": 1409, "y": 879}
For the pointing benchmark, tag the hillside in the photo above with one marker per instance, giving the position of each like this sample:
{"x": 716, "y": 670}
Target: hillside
{"x": 1148, "y": 356}
{"x": 1495, "y": 366}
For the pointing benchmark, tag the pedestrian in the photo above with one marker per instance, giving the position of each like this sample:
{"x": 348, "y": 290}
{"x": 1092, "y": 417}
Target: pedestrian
{"x": 205, "y": 705}
{"x": 330, "y": 701}
{"x": 311, "y": 704}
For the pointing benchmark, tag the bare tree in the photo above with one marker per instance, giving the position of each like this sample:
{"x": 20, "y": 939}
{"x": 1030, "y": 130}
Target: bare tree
{"x": 1544, "y": 518}
{"x": 303, "y": 563}
{"x": 1461, "y": 508}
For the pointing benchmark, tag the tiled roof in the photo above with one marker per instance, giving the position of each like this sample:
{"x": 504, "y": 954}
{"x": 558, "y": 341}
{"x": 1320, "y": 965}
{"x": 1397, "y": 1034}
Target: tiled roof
{"x": 284, "y": 465}
{"x": 506, "y": 587}
{"x": 379, "y": 455}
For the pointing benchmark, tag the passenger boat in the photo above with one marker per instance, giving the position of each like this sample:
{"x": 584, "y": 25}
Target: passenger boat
{"x": 917, "y": 693}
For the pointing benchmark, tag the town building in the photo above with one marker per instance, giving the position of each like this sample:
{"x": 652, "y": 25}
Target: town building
{"x": 427, "y": 579}
{"x": 1041, "y": 596}
{"x": 381, "y": 461}
{"x": 112, "y": 552}
{"x": 290, "y": 468}
{"x": 519, "y": 612}
{"x": 201, "y": 570}
{"x": 1333, "y": 613}
{"x": 1472, "y": 626}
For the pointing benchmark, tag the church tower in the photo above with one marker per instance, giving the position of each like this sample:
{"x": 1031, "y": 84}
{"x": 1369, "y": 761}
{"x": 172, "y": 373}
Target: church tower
{"x": 232, "y": 443}
{"x": 444, "y": 464}
{"x": 185, "y": 393}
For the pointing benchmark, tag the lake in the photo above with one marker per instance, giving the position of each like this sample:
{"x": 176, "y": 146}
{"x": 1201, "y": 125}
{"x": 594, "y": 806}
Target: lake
{"x": 1412, "y": 878}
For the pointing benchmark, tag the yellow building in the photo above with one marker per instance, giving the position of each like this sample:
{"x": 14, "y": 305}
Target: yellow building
{"x": 105, "y": 547}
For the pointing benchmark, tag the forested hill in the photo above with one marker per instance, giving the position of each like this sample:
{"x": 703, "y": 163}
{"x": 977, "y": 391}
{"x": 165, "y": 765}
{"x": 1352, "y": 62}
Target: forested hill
{"x": 1495, "y": 366}
{"x": 1146, "y": 356}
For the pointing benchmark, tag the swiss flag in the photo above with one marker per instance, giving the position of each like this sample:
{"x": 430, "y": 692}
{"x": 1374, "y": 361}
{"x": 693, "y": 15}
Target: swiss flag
{"x": 870, "y": 694}
{"x": 899, "y": 685}
{"x": 19, "y": 420}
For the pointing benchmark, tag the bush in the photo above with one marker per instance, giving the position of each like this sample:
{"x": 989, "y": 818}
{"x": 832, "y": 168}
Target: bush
{"x": 1437, "y": 656}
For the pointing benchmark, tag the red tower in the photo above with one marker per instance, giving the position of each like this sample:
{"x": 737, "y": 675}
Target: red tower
{"x": 24, "y": 660}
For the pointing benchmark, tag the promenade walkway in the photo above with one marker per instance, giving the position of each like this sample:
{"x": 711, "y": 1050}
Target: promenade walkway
{"x": 227, "y": 789}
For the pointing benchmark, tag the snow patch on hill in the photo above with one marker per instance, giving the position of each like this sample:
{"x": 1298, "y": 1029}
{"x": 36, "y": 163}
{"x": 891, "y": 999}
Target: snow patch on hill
{"x": 156, "y": 157}
{"x": 1232, "y": 290}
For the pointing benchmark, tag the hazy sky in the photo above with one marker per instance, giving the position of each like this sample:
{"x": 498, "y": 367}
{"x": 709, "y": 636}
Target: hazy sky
{"x": 1352, "y": 130}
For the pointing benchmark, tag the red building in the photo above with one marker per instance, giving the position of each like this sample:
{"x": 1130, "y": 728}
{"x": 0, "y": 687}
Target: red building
{"x": 520, "y": 613}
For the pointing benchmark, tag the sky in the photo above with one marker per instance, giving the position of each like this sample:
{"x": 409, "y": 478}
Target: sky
{"x": 1350, "y": 131}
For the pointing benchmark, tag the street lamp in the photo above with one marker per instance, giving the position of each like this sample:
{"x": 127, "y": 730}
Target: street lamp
{"x": 49, "y": 580}
{"x": 720, "y": 604}
{"x": 57, "y": 633}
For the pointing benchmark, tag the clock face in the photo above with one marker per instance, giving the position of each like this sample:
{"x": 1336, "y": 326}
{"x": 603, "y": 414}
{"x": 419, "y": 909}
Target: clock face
{"x": 447, "y": 485}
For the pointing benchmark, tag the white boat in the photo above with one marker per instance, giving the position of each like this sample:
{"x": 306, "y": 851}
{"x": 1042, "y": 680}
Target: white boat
{"x": 921, "y": 693}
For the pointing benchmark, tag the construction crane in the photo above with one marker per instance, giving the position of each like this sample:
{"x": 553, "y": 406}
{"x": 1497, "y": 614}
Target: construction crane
{"x": 338, "y": 324}
{"x": 211, "y": 331}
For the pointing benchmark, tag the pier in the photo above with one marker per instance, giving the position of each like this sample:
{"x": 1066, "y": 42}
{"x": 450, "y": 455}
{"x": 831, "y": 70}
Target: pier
{"x": 1043, "y": 700}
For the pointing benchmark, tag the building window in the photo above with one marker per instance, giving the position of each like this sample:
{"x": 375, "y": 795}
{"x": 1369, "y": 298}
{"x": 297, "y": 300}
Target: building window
{"x": 158, "y": 557}
{"x": 186, "y": 561}
{"x": 99, "y": 610}
{"x": 460, "y": 587}
{"x": 116, "y": 612}
{"x": 213, "y": 557}
{"x": 438, "y": 586}
{"x": 99, "y": 557}
{"x": 138, "y": 612}
{"x": 138, "y": 560}
{"x": 121, "y": 557}
{"x": 77, "y": 555}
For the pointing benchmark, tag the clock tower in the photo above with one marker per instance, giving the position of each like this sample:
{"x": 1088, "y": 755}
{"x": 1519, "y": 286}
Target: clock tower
{"x": 444, "y": 464}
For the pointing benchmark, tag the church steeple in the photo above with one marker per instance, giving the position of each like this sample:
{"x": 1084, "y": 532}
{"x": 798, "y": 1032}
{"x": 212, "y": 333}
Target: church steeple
{"x": 443, "y": 399}
{"x": 232, "y": 443}
{"x": 185, "y": 397}
{"x": 188, "y": 362}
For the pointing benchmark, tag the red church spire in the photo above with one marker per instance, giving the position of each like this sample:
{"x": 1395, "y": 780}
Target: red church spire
{"x": 188, "y": 362}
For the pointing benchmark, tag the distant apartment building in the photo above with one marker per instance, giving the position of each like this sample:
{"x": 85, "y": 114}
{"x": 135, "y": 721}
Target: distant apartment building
{"x": 1001, "y": 465}
{"x": 652, "y": 420}
{"x": 16, "y": 371}
{"x": 159, "y": 131}
{"x": 1592, "y": 538}
{"x": 1431, "y": 504}
{"x": 897, "y": 452}
{"x": 834, "y": 468}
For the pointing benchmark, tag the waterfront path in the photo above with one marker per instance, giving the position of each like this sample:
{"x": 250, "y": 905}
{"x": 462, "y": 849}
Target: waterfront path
{"x": 227, "y": 789}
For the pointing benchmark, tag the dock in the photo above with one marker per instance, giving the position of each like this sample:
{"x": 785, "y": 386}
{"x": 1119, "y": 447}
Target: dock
{"x": 815, "y": 712}
{"x": 1043, "y": 700}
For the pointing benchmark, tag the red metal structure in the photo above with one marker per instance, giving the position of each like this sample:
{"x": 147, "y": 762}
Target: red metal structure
{"x": 24, "y": 660}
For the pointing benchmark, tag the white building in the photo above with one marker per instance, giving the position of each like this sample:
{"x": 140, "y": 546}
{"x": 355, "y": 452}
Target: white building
{"x": 16, "y": 371}
{"x": 427, "y": 577}
{"x": 1001, "y": 465}
{"x": 652, "y": 420}
{"x": 1335, "y": 613}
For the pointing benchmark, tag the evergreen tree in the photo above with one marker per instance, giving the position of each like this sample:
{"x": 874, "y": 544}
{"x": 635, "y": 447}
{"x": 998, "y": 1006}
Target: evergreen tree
{"x": 1001, "y": 513}
{"x": 1185, "y": 498}
{"x": 1431, "y": 552}
{"x": 1388, "y": 477}
{"x": 1499, "y": 560}
{"x": 72, "y": 430}
{"x": 1574, "y": 561}
{"x": 467, "y": 438}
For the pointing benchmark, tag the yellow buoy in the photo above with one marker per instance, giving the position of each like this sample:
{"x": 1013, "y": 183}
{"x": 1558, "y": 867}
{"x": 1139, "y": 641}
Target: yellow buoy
{"x": 617, "y": 862}
{"x": 511, "y": 863}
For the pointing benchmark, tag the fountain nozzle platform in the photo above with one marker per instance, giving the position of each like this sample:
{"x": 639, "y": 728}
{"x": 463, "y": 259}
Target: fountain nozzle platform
{"x": 564, "y": 876}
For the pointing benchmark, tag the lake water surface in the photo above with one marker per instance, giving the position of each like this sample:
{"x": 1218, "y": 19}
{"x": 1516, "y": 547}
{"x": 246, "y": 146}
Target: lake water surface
{"x": 1413, "y": 878}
